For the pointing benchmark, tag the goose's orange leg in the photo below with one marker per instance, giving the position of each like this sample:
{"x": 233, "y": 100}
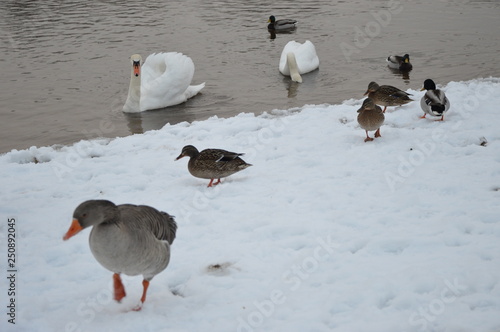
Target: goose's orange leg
{"x": 145, "y": 285}
{"x": 118, "y": 286}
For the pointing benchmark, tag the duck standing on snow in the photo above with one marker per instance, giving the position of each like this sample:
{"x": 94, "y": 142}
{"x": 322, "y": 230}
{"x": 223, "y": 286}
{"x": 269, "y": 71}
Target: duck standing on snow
{"x": 387, "y": 95}
{"x": 284, "y": 25}
{"x": 399, "y": 62}
{"x": 212, "y": 163}
{"x": 297, "y": 59}
{"x": 129, "y": 239}
{"x": 434, "y": 102}
{"x": 370, "y": 118}
{"x": 162, "y": 80}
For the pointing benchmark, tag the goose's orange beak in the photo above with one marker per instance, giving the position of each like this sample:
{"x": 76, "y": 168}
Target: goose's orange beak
{"x": 74, "y": 229}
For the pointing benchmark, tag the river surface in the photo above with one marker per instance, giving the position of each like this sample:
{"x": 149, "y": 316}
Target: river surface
{"x": 66, "y": 70}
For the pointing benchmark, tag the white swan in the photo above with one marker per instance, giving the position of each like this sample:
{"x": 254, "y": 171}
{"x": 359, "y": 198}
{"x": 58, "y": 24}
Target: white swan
{"x": 162, "y": 80}
{"x": 297, "y": 59}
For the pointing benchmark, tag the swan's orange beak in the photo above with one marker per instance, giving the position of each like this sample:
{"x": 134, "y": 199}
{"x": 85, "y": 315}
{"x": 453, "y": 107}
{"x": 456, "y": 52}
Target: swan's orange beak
{"x": 73, "y": 229}
{"x": 137, "y": 68}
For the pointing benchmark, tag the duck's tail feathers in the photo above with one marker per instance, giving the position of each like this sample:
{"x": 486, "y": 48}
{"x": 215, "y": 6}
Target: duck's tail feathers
{"x": 438, "y": 109}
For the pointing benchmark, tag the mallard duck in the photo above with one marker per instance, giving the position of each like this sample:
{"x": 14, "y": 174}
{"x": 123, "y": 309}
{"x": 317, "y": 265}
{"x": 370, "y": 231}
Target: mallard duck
{"x": 434, "y": 102}
{"x": 281, "y": 25}
{"x": 129, "y": 239}
{"x": 370, "y": 118}
{"x": 387, "y": 95}
{"x": 212, "y": 163}
{"x": 162, "y": 80}
{"x": 399, "y": 62}
{"x": 297, "y": 58}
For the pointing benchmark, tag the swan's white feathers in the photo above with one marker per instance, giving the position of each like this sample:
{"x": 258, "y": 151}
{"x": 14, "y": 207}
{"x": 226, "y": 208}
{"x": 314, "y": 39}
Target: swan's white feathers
{"x": 165, "y": 81}
{"x": 305, "y": 56}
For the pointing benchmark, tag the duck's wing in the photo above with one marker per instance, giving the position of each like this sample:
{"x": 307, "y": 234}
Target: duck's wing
{"x": 394, "y": 61}
{"x": 217, "y": 155}
{"x": 285, "y": 24}
{"x": 228, "y": 156}
{"x": 436, "y": 97}
{"x": 394, "y": 92}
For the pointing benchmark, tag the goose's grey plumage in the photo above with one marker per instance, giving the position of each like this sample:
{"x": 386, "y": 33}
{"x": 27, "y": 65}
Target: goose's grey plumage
{"x": 128, "y": 239}
{"x": 434, "y": 102}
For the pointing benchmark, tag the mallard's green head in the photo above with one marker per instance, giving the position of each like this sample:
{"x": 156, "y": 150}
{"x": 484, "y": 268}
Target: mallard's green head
{"x": 429, "y": 85}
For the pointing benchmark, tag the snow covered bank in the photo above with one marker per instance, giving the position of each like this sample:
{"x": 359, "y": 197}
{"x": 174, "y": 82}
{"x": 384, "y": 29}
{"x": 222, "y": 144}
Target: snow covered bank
{"x": 323, "y": 233}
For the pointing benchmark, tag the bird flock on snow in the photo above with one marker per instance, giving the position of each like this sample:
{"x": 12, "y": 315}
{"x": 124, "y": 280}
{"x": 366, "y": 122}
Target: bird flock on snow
{"x": 136, "y": 239}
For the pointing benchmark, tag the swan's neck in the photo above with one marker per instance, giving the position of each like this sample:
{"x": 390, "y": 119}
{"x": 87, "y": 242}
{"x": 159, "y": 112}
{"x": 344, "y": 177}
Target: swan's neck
{"x": 292, "y": 66}
{"x": 134, "y": 94}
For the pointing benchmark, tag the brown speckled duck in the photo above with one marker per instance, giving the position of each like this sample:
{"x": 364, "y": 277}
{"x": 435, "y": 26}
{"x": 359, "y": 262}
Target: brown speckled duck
{"x": 212, "y": 163}
{"x": 370, "y": 118}
{"x": 129, "y": 239}
{"x": 387, "y": 95}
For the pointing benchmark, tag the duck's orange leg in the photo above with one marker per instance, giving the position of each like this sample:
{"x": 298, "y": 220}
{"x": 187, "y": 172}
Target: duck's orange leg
{"x": 385, "y": 107}
{"x": 377, "y": 133}
{"x": 368, "y": 138}
{"x": 423, "y": 116}
{"x": 212, "y": 182}
{"x": 145, "y": 285}
{"x": 118, "y": 287}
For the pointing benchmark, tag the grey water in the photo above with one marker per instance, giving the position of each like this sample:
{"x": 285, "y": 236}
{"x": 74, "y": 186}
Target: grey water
{"x": 65, "y": 63}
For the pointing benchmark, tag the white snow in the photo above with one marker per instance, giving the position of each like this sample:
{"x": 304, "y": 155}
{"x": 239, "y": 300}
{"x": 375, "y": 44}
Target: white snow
{"x": 323, "y": 233}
